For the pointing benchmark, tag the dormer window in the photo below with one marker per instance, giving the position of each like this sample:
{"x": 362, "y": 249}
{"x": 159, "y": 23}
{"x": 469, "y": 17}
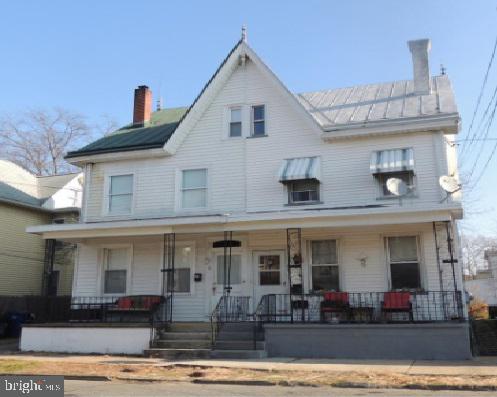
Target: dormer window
{"x": 235, "y": 122}
{"x": 258, "y": 120}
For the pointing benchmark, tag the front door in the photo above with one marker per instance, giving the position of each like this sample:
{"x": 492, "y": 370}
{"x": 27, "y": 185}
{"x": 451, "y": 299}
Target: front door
{"x": 270, "y": 274}
{"x": 238, "y": 276}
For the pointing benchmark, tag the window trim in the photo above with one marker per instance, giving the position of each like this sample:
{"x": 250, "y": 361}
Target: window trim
{"x": 253, "y": 120}
{"x": 311, "y": 264}
{"x": 103, "y": 262}
{"x": 106, "y": 202}
{"x": 419, "y": 251}
{"x": 230, "y": 109}
{"x": 179, "y": 189}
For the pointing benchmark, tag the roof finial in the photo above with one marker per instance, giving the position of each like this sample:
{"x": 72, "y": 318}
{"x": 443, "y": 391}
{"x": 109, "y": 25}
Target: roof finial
{"x": 244, "y": 33}
{"x": 443, "y": 69}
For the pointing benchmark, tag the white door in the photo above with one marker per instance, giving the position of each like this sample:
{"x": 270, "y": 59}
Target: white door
{"x": 270, "y": 274}
{"x": 239, "y": 275}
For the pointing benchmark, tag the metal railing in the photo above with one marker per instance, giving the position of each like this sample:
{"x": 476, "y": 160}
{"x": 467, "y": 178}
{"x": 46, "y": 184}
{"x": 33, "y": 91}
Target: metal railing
{"x": 229, "y": 309}
{"x": 362, "y": 307}
{"x": 160, "y": 317}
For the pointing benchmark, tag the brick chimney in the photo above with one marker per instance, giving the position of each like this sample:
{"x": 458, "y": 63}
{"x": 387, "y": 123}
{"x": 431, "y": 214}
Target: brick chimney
{"x": 143, "y": 105}
{"x": 420, "y": 63}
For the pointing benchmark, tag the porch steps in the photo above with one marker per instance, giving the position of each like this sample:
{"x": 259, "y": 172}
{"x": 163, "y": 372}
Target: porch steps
{"x": 236, "y": 341}
{"x": 182, "y": 341}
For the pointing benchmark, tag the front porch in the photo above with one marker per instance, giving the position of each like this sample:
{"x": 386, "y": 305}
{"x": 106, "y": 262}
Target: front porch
{"x": 373, "y": 276}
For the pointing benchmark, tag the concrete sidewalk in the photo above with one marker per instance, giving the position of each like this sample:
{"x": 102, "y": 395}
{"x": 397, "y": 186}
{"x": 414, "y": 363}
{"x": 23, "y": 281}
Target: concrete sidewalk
{"x": 481, "y": 366}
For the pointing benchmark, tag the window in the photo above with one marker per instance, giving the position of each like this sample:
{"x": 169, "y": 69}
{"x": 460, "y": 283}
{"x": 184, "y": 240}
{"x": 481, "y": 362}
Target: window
{"x": 406, "y": 176}
{"x": 404, "y": 263}
{"x": 269, "y": 269}
{"x": 115, "y": 270}
{"x": 235, "y": 273}
{"x": 324, "y": 266}
{"x": 194, "y": 188}
{"x": 120, "y": 194}
{"x": 303, "y": 191}
{"x": 259, "y": 120}
{"x": 184, "y": 260}
{"x": 235, "y": 122}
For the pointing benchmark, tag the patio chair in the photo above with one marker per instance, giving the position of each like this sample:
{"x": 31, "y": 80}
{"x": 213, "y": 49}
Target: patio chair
{"x": 397, "y": 302}
{"x": 335, "y": 302}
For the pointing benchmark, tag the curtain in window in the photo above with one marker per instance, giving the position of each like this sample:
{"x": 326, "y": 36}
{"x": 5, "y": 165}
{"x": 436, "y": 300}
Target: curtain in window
{"x": 235, "y": 273}
{"x": 324, "y": 252}
{"x": 403, "y": 249}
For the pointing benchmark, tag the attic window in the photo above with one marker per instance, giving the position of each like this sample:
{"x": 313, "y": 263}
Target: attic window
{"x": 259, "y": 120}
{"x": 235, "y": 122}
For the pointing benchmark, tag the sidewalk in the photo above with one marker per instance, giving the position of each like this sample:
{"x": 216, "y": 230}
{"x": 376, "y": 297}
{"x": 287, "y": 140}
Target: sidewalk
{"x": 481, "y": 366}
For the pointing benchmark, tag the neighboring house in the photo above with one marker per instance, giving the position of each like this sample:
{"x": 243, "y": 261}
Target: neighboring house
{"x": 483, "y": 285}
{"x": 272, "y": 207}
{"x": 26, "y": 267}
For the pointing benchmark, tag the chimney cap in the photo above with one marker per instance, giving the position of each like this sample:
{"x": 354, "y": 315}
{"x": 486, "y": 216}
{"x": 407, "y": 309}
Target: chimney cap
{"x": 419, "y": 44}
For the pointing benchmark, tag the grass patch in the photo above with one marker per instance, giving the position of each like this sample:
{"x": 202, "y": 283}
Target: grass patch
{"x": 17, "y": 366}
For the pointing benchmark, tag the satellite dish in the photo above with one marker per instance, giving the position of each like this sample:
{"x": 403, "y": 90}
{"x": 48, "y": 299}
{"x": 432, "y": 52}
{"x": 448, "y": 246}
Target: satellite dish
{"x": 449, "y": 184}
{"x": 397, "y": 187}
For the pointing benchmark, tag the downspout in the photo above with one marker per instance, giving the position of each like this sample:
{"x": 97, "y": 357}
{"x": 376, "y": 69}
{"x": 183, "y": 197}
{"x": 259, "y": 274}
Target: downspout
{"x": 87, "y": 181}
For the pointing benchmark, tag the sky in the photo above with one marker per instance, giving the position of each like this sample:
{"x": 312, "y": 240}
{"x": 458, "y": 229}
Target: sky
{"x": 88, "y": 56}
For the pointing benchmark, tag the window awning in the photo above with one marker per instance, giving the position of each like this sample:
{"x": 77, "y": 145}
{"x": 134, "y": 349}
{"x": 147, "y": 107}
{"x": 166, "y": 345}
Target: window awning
{"x": 299, "y": 169}
{"x": 396, "y": 160}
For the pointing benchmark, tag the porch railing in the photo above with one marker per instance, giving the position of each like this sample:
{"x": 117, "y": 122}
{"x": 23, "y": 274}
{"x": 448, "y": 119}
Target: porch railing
{"x": 229, "y": 309}
{"x": 362, "y": 307}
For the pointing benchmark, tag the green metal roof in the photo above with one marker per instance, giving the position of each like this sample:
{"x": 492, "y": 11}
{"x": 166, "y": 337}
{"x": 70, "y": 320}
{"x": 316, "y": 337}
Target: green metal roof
{"x": 162, "y": 125}
{"x": 155, "y": 134}
{"x": 10, "y": 193}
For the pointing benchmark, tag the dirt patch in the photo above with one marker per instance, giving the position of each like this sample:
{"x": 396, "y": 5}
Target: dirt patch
{"x": 148, "y": 372}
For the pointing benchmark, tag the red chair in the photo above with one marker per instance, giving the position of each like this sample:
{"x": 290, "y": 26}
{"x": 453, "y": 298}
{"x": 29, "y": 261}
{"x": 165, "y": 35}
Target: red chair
{"x": 335, "y": 302}
{"x": 397, "y": 302}
{"x": 124, "y": 303}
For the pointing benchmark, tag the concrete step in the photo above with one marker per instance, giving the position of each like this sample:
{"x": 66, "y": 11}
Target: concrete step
{"x": 238, "y": 345}
{"x": 177, "y": 354}
{"x": 238, "y": 327}
{"x": 238, "y": 354}
{"x": 235, "y": 335}
{"x": 165, "y": 335}
{"x": 189, "y": 327}
{"x": 183, "y": 344}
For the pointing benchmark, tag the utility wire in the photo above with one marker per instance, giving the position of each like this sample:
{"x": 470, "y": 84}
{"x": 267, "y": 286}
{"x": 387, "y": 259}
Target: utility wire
{"x": 482, "y": 90}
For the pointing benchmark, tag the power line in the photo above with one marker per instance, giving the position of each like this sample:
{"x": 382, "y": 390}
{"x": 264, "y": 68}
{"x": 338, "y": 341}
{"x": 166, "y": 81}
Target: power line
{"x": 485, "y": 79}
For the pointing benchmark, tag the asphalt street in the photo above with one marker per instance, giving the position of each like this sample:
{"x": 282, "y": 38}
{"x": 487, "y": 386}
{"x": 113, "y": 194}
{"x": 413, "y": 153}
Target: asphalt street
{"x": 180, "y": 389}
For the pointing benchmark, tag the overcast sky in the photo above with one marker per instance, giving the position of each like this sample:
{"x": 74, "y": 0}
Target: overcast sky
{"x": 88, "y": 56}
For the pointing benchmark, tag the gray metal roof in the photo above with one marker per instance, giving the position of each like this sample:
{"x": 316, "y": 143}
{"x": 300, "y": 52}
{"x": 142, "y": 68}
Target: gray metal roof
{"x": 378, "y": 102}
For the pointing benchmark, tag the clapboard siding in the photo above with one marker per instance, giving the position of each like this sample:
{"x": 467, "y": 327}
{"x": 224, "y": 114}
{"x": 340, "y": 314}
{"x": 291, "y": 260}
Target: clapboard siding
{"x": 353, "y": 243}
{"x": 21, "y": 254}
{"x": 243, "y": 172}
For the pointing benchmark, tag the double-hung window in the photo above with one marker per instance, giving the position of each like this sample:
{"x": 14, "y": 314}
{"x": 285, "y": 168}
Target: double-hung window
{"x": 404, "y": 262}
{"x": 324, "y": 266}
{"x": 235, "y": 122}
{"x": 120, "y": 194}
{"x": 258, "y": 120}
{"x": 116, "y": 262}
{"x": 194, "y": 188}
{"x": 269, "y": 270}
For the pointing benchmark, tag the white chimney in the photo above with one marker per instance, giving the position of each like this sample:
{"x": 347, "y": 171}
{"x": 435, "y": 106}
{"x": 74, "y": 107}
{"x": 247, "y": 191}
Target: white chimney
{"x": 420, "y": 62}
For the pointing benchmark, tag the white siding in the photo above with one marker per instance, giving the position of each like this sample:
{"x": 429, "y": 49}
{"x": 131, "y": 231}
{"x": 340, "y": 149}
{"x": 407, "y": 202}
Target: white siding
{"x": 243, "y": 172}
{"x": 353, "y": 244}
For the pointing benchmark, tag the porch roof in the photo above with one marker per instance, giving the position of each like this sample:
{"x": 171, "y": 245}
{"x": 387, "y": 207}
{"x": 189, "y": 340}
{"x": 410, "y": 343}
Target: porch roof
{"x": 268, "y": 220}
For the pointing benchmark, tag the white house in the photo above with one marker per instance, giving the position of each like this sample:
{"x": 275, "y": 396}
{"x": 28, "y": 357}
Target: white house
{"x": 483, "y": 285}
{"x": 287, "y": 193}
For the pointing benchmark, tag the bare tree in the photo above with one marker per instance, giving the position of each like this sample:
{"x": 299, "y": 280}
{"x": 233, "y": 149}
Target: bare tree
{"x": 473, "y": 248}
{"x": 38, "y": 139}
